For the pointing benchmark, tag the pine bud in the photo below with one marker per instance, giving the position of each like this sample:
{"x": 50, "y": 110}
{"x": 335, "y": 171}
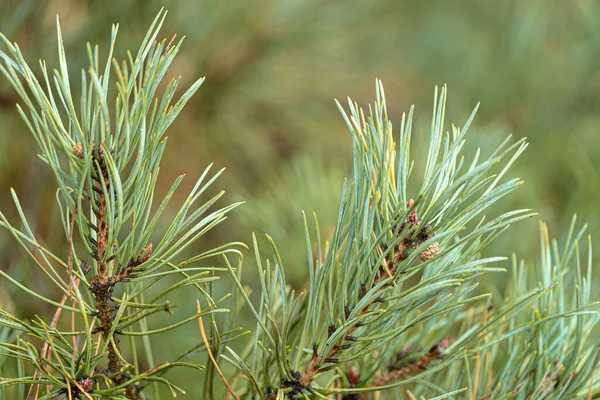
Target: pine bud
{"x": 412, "y": 217}
{"x": 353, "y": 375}
{"x": 430, "y": 252}
{"x": 443, "y": 344}
{"x": 78, "y": 150}
{"x": 86, "y": 384}
{"x": 147, "y": 250}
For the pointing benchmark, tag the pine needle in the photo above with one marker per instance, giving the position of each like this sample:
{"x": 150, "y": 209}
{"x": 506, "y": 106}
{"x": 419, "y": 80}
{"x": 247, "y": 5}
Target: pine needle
{"x": 212, "y": 358}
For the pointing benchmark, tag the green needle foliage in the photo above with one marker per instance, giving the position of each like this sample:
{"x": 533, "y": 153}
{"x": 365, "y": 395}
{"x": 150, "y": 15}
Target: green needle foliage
{"x": 392, "y": 301}
{"x": 393, "y": 307}
{"x": 550, "y": 349}
{"x": 104, "y": 148}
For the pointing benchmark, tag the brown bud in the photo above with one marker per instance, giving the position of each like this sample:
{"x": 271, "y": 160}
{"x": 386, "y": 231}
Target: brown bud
{"x": 412, "y": 217}
{"x": 443, "y": 344}
{"x": 148, "y": 250}
{"x": 86, "y": 384}
{"x": 353, "y": 376}
{"x": 78, "y": 150}
{"x": 430, "y": 252}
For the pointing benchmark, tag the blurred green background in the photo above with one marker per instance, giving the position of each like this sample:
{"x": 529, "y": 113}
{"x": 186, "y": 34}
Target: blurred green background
{"x": 266, "y": 110}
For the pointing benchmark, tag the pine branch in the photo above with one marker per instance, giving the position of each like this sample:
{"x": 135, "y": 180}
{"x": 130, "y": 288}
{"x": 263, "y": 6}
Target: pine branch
{"x": 397, "y": 373}
{"x": 106, "y": 166}
{"x": 368, "y": 294}
{"x": 394, "y": 270}
{"x": 388, "y": 270}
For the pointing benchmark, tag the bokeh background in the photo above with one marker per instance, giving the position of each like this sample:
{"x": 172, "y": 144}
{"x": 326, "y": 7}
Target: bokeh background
{"x": 266, "y": 110}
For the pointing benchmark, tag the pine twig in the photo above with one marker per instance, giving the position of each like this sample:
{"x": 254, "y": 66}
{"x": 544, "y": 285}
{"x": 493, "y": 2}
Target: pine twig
{"x": 394, "y": 374}
{"x": 400, "y": 253}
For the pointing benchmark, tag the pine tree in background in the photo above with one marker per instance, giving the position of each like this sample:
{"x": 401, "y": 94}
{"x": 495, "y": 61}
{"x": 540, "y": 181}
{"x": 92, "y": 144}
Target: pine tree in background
{"x": 392, "y": 308}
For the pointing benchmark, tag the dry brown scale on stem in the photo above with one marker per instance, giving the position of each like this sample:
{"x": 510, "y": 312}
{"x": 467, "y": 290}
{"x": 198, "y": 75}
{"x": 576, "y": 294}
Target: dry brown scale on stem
{"x": 397, "y": 373}
{"x": 301, "y": 381}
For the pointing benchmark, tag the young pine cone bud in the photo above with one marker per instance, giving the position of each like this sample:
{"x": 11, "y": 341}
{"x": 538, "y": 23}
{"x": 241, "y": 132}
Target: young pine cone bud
{"x": 86, "y": 384}
{"x": 78, "y": 150}
{"x": 430, "y": 252}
